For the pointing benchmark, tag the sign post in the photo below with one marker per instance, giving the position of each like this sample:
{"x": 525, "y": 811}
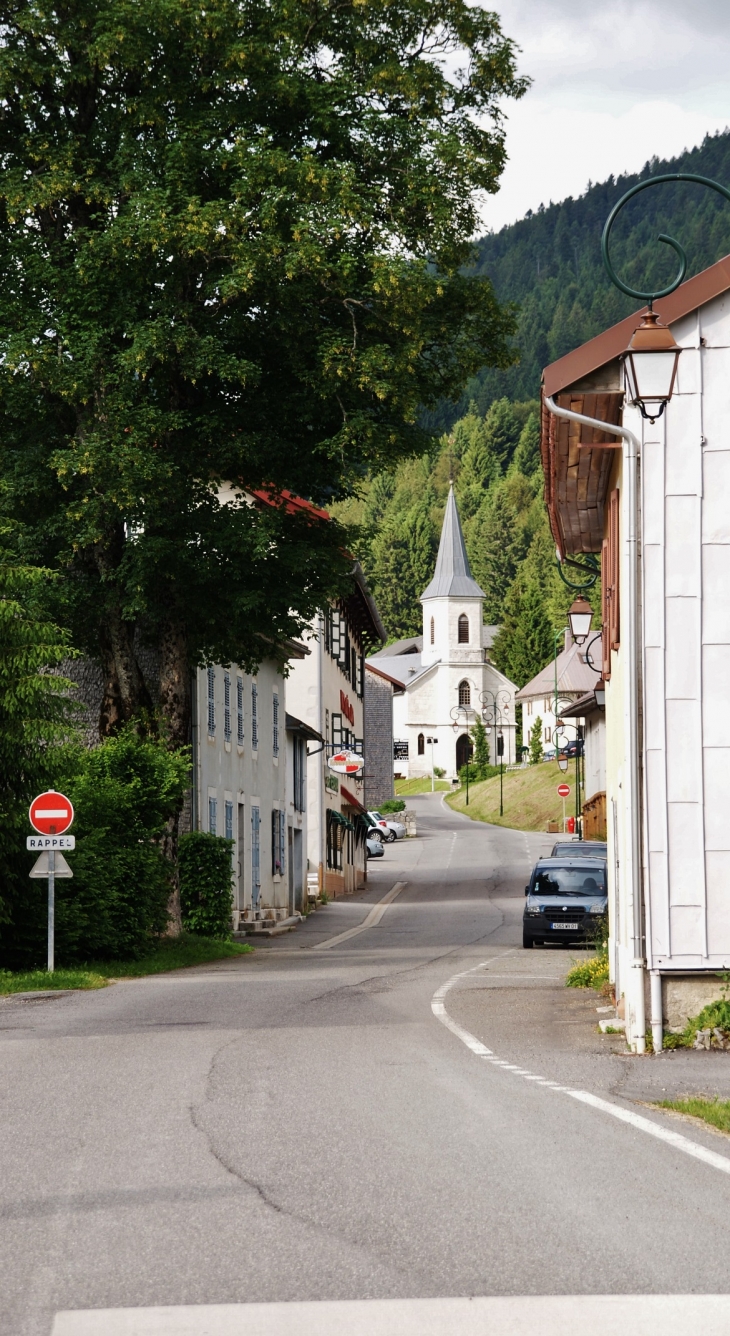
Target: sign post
{"x": 564, "y": 792}
{"x": 51, "y": 814}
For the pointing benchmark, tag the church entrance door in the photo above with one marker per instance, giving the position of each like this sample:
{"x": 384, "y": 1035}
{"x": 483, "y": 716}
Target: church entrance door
{"x": 464, "y": 750}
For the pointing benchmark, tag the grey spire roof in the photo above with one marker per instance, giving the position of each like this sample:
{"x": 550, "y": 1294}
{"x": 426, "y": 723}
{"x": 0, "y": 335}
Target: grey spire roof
{"x": 452, "y": 575}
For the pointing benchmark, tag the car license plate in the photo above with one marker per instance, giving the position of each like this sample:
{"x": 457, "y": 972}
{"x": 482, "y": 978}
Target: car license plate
{"x": 566, "y": 927}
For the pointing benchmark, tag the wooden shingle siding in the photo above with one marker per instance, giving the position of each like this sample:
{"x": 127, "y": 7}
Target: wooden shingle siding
{"x": 576, "y": 476}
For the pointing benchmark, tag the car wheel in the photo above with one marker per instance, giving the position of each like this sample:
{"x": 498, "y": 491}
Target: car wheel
{"x": 527, "y": 941}
{"x": 390, "y": 836}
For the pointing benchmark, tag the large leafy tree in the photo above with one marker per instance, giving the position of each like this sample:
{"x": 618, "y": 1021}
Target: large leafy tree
{"x": 231, "y": 247}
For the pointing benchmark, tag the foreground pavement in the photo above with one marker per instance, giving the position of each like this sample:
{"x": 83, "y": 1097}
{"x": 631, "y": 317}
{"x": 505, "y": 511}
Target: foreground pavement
{"x": 356, "y": 1130}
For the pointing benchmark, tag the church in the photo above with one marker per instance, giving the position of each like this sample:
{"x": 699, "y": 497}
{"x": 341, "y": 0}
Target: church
{"x": 443, "y": 679}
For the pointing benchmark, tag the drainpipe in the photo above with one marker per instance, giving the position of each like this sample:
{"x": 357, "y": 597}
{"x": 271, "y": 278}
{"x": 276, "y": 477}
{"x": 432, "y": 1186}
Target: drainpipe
{"x": 657, "y": 1017}
{"x": 321, "y": 776}
{"x": 630, "y": 457}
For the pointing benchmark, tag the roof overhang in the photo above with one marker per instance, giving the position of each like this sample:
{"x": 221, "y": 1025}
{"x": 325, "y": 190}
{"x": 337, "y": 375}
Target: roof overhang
{"x": 580, "y": 708}
{"x": 576, "y": 464}
{"x": 294, "y": 725}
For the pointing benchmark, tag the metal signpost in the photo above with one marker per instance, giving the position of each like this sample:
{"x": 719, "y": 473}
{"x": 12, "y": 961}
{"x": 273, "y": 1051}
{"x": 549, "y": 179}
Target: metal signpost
{"x": 564, "y": 792}
{"x": 50, "y": 815}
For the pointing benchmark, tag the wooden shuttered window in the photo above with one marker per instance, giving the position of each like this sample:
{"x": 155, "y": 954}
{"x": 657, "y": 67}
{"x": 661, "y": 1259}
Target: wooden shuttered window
{"x": 610, "y": 566}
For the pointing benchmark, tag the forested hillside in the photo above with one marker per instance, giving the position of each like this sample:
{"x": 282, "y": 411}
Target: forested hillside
{"x": 550, "y": 263}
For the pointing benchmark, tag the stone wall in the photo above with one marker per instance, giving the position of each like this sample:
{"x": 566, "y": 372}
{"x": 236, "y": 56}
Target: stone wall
{"x": 378, "y": 740}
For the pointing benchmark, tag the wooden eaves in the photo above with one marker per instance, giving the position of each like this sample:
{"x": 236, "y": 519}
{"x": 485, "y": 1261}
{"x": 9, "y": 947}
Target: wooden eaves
{"x": 587, "y": 380}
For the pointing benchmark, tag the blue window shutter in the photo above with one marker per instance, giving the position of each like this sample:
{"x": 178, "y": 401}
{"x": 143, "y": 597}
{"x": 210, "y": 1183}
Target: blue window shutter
{"x": 227, "y": 706}
{"x": 211, "y": 702}
{"x": 239, "y": 710}
{"x": 213, "y": 816}
{"x": 254, "y": 716}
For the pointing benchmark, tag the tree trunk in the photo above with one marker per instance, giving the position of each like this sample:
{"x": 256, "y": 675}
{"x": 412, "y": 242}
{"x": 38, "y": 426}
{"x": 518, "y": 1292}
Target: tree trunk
{"x": 176, "y": 709}
{"x": 125, "y": 690}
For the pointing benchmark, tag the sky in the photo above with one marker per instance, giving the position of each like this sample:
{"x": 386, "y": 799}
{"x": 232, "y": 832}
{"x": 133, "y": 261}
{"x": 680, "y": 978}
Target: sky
{"x": 615, "y": 82}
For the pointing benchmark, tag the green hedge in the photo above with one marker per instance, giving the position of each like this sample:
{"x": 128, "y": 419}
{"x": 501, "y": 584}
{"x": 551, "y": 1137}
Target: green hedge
{"x": 205, "y": 884}
{"x": 115, "y": 906}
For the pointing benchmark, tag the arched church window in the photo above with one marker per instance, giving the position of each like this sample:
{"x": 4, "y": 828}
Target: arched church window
{"x": 433, "y": 630}
{"x": 463, "y": 629}
{"x": 421, "y": 744}
{"x": 464, "y": 693}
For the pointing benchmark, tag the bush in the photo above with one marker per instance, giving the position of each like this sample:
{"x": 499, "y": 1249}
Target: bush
{"x": 438, "y": 772}
{"x": 115, "y": 907}
{"x": 475, "y": 775}
{"x": 395, "y": 804}
{"x": 205, "y": 884}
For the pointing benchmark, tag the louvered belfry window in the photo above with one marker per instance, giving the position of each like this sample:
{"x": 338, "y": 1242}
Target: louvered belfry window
{"x": 433, "y": 631}
{"x": 610, "y": 565}
{"x": 463, "y": 629}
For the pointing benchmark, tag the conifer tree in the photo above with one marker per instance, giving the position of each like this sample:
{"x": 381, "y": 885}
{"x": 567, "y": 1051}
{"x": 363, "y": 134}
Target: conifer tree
{"x": 503, "y": 429}
{"x": 536, "y": 742}
{"x": 527, "y": 455}
{"x": 496, "y": 545}
{"x": 481, "y": 748}
{"x": 401, "y": 565}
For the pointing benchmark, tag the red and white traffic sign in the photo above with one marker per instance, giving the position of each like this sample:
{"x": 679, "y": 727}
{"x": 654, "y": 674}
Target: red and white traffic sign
{"x": 51, "y": 813}
{"x": 563, "y": 790}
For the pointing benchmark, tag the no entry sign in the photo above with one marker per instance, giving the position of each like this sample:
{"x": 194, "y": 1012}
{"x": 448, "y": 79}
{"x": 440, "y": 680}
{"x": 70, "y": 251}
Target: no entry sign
{"x": 563, "y": 790}
{"x": 51, "y": 813}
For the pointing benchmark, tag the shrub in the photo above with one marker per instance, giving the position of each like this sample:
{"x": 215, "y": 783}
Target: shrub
{"x": 592, "y": 973}
{"x": 536, "y": 742}
{"x": 475, "y": 777}
{"x": 115, "y": 907}
{"x": 396, "y": 804}
{"x": 438, "y": 772}
{"x": 205, "y": 884}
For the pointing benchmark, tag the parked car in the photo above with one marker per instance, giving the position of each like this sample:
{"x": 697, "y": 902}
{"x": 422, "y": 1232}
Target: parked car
{"x": 565, "y": 901}
{"x": 375, "y": 846}
{"x": 549, "y": 755}
{"x": 572, "y": 748}
{"x": 391, "y": 829}
{"x": 571, "y": 848}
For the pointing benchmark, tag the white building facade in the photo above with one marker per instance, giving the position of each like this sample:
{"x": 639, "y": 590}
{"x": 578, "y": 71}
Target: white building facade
{"x": 448, "y": 680}
{"x": 669, "y": 839}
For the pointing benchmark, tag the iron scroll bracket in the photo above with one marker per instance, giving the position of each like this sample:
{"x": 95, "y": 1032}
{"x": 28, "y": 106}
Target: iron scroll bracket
{"x": 651, "y": 297}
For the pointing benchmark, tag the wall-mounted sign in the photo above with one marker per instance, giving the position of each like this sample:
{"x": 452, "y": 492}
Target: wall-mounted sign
{"x": 347, "y": 709}
{"x": 346, "y": 763}
{"x": 332, "y": 784}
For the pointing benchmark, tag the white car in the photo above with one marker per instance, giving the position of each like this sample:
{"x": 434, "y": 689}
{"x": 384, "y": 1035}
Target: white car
{"x": 390, "y": 829}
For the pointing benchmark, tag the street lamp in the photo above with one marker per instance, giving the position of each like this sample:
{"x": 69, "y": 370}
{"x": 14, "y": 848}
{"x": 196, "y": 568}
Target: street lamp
{"x": 579, "y": 616}
{"x": 456, "y": 715}
{"x": 495, "y": 709}
{"x": 650, "y": 367}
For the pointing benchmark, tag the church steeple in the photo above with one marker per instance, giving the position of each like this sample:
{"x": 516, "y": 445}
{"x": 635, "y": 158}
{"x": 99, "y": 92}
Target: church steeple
{"x": 452, "y": 577}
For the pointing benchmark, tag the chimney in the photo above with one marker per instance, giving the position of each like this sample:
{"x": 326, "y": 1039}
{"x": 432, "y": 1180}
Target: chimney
{"x": 568, "y": 638}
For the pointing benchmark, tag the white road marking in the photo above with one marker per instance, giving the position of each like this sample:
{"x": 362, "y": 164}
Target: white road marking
{"x": 636, "y": 1120}
{"x": 550, "y": 1315}
{"x": 374, "y": 917}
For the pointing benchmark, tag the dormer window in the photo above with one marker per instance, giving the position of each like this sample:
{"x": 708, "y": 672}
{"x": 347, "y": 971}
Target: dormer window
{"x": 463, "y": 629}
{"x": 433, "y": 631}
{"x": 464, "y": 693}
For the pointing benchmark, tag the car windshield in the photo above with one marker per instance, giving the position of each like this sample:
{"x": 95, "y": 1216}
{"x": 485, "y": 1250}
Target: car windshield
{"x": 566, "y": 849}
{"x": 569, "y": 881}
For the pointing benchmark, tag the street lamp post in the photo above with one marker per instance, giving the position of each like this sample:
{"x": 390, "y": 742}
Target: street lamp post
{"x": 495, "y": 712}
{"x": 456, "y": 715}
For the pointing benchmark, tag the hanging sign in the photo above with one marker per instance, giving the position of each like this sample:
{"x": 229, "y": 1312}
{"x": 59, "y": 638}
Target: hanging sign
{"x": 51, "y": 813}
{"x": 346, "y": 763}
{"x": 563, "y": 790}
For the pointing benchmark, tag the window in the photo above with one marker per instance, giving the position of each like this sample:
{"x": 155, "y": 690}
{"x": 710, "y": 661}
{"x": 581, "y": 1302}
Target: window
{"x": 211, "y": 702}
{"x": 464, "y": 693}
{"x": 255, "y": 856}
{"x": 239, "y": 711}
{"x": 254, "y": 716}
{"x": 421, "y": 744}
{"x": 463, "y": 629}
{"x": 529, "y": 707}
{"x": 275, "y": 725}
{"x": 213, "y": 816}
{"x": 299, "y": 759}
{"x": 278, "y": 836}
{"x": 229, "y": 820}
{"x": 337, "y": 740}
{"x": 611, "y": 630}
{"x": 433, "y": 631}
{"x": 227, "y": 706}
{"x": 548, "y": 735}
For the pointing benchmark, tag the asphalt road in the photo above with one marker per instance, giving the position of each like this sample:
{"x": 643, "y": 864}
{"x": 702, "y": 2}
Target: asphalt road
{"x": 302, "y": 1126}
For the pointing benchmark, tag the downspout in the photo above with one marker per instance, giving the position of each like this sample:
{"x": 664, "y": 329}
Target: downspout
{"x": 630, "y": 457}
{"x": 320, "y": 783}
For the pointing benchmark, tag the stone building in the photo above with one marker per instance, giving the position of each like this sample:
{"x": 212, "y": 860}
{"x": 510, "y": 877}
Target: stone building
{"x": 380, "y": 688}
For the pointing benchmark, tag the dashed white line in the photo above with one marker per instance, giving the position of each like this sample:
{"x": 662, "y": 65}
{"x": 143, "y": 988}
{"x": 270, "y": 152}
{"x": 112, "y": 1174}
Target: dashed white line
{"x": 635, "y": 1120}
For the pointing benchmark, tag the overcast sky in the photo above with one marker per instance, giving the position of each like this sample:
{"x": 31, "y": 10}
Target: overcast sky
{"x": 614, "y": 83}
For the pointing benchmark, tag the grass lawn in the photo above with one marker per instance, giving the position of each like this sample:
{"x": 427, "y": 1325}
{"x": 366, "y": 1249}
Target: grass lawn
{"x": 171, "y": 954}
{"x": 713, "y": 1111}
{"x": 530, "y": 798}
{"x": 403, "y": 787}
